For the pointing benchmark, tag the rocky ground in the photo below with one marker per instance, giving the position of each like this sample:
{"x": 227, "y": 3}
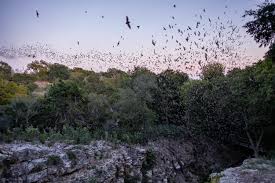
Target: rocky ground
{"x": 100, "y": 161}
{"x": 251, "y": 171}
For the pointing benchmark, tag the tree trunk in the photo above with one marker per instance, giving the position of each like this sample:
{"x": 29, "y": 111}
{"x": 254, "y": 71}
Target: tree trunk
{"x": 255, "y": 145}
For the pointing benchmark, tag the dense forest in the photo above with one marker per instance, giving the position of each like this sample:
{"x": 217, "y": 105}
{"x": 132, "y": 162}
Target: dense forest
{"x": 53, "y": 102}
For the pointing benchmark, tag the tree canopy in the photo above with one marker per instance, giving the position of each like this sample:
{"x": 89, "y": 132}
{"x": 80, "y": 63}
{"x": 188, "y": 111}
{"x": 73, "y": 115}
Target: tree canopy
{"x": 262, "y": 27}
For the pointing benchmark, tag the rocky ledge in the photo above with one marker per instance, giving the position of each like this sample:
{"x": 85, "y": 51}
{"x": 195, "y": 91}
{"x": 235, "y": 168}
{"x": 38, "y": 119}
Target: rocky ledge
{"x": 101, "y": 161}
{"x": 252, "y": 171}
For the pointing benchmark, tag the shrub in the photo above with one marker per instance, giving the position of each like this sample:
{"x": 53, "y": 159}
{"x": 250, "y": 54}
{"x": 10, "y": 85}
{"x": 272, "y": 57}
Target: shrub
{"x": 31, "y": 134}
{"x": 10, "y": 90}
{"x": 150, "y": 160}
{"x": 77, "y": 135}
{"x": 71, "y": 155}
{"x": 54, "y": 160}
{"x": 92, "y": 180}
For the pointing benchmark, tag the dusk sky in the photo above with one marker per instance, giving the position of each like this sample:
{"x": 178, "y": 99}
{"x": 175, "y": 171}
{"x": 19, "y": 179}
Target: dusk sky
{"x": 62, "y": 23}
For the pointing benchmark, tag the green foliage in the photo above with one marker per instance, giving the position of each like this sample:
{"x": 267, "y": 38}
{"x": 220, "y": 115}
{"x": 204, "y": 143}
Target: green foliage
{"x": 167, "y": 99}
{"x": 208, "y": 108}
{"x": 233, "y": 108}
{"x": 131, "y": 112}
{"x": 94, "y": 84}
{"x": 71, "y": 155}
{"x": 150, "y": 160}
{"x": 54, "y": 160}
{"x": 5, "y": 120}
{"x": 22, "y": 110}
{"x": 152, "y": 132}
{"x": 98, "y": 111}
{"x": 62, "y": 105}
{"x": 186, "y": 87}
{"x": 214, "y": 179}
{"x": 79, "y": 75}
{"x": 178, "y": 78}
{"x": 77, "y": 135}
{"x": 10, "y": 90}
{"x": 140, "y": 71}
{"x": 40, "y": 69}
{"x": 37, "y": 168}
{"x": 31, "y": 134}
{"x": 144, "y": 84}
{"x": 114, "y": 73}
{"x": 262, "y": 27}
{"x": 5, "y": 71}
{"x": 212, "y": 71}
{"x": 92, "y": 180}
{"x": 58, "y": 71}
{"x": 25, "y": 79}
{"x": 136, "y": 107}
{"x": 270, "y": 54}
{"x": 148, "y": 164}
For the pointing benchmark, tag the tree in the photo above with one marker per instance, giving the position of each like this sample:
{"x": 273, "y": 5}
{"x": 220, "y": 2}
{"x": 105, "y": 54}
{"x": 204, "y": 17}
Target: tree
{"x": 5, "y": 120}
{"x": 5, "y": 71}
{"x": 233, "y": 109}
{"x": 113, "y": 80}
{"x": 262, "y": 27}
{"x": 10, "y": 90}
{"x": 22, "y": 110}
{"x": 26, "y": 80}
{"x": 213, "y": 70}
{"x": 271, "y": 53}
{"x": 209, "y": 109}
{"x": 178, "y": 78}
{"x": 253, "y": 94}
{"x": 62, "y": 105}
{"x": 98, "y": 111}
{"x": 113, "y": 73}
{"x": 140, "y": 71}
{"x": 39, "y": 68}
{"x": 167, "y": 100}
{"x": 78, "y": 74}
{"x": 131, "y": 112}
{"x": 145, "y": 85}
{"x": 58, "y": 71}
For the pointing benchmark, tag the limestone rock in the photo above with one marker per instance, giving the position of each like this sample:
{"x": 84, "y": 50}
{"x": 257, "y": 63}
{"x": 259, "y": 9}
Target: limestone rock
{"x": 252, "y": 171}
{"x": 101, "y": 161}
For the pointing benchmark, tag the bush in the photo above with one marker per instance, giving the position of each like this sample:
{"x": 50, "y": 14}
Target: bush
{"x": 71, "y": 155}
{"x": 10, "y": 90}
{"x": 92, "y": 180}
{"x": 131, "y": 112}
{"x": 54, "y": 160}
{"x": 148, "y": 163}
{"x": 150, "y": 160}
{"x": 5, "y": 121}
{"x": 58, "y": 71}
{"x": 31, "y": 134}
{"x": 77, "y": 135}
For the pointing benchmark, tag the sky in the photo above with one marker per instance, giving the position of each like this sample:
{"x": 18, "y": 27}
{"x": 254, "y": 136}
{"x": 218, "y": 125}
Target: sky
{"x": 62, "y": 23}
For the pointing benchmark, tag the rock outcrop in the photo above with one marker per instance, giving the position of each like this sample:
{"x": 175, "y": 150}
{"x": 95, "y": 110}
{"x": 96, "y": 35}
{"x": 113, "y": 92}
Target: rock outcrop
{"x": 252, "y": 171}
{"x": 100, "y": 161}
